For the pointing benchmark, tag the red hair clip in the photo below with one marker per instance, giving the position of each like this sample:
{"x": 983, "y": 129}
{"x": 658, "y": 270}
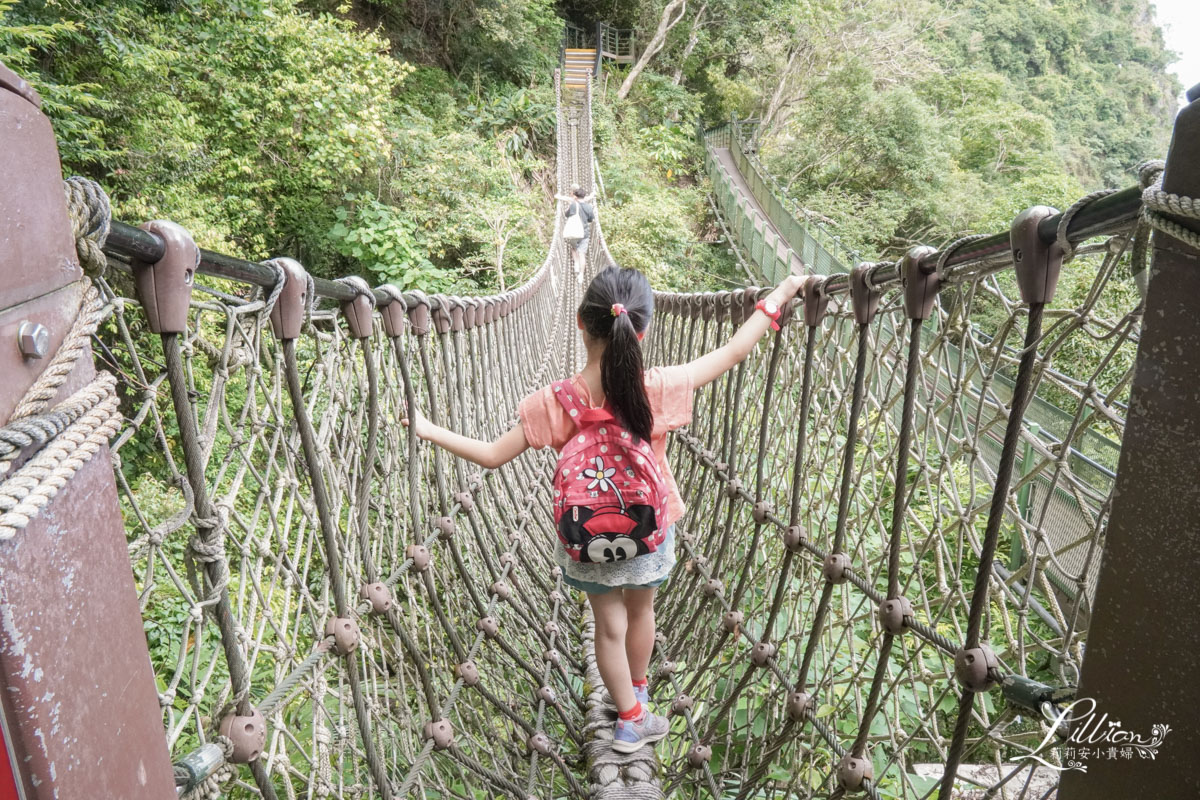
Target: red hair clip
{"x": 618, "y": 310}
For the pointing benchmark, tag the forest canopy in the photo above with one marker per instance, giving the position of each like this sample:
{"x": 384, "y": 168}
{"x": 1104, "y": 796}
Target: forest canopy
{"x": 412, "y": 141}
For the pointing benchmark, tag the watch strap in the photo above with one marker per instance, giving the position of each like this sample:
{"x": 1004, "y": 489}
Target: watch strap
{"x": 761, "y": 305}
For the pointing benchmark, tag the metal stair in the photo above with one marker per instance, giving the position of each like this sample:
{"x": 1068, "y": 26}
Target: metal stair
{"x": 578, "y": 66}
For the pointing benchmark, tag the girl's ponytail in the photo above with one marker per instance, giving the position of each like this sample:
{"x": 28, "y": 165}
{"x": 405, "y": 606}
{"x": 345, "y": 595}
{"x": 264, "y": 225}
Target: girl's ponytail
{"x": 623, "y": 378}
{"x": 617, "y": 306}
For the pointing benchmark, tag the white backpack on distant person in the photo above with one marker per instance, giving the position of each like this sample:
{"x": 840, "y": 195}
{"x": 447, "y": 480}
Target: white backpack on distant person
{"x": 573, "y": 228}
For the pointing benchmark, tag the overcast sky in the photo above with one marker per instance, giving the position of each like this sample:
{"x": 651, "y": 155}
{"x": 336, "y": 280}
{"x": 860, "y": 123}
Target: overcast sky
{"x": 1180, "y": 20}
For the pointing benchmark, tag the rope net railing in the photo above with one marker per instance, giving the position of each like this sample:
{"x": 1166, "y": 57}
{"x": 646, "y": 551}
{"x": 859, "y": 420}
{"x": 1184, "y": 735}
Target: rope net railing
{"x": 869, "y": 504}
{"x": 1093, "y": 451}
{"x": 344, "y": 613}
{"x": 887, "y": 571}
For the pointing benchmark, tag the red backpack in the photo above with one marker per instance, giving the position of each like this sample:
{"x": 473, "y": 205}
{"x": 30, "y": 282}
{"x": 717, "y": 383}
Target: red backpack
{"x": 609, "y": 494}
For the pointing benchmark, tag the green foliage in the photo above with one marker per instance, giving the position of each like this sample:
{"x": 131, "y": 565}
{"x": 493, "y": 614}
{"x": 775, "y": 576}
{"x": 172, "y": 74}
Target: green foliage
{"x": 474, "y": 196}
{"x": 384, "y": 241}
{"x": 502, "y": 40}
{"x": 668, "y": 146}
{"x": 520, "y": 118}
{"x": 250, "y": 122}
{"x": 656, "y": 218}
{"x": 75, "y": 106}
{"x": 1093, "y": 70}
{"x": 937, "y": 120}
{"x": 239, "y": 126}
{"x": 656, "y": 99}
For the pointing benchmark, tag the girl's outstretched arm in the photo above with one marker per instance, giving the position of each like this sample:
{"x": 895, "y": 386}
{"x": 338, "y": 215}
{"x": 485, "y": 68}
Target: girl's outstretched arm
{"x": 707, "y": 368}
{"x": 486, "y": 454}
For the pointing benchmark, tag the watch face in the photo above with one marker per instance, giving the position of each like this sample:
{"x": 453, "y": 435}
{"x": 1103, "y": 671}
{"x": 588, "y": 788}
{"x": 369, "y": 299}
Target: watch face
{"x": 770, "y": 307}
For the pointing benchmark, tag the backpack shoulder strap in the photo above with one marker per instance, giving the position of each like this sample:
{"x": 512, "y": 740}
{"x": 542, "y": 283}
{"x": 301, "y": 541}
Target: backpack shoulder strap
{"x": 578, "y": 413}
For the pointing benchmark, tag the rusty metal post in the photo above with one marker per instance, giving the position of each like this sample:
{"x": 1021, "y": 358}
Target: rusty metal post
{"x": 1143, "y": 653}
{"x": 77, "y": 687}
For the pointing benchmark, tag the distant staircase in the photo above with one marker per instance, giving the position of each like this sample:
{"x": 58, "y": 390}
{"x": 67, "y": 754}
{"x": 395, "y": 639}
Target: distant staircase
{"x": 584, "y": 50}
{"x": 579, "y": 65}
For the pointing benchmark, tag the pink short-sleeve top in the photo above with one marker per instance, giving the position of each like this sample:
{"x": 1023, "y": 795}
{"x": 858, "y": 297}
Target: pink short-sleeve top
{"x": 670, "y": 392}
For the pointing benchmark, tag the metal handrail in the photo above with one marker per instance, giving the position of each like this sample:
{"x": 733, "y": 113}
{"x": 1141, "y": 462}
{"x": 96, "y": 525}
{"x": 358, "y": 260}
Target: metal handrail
{"x": 1104, "y": 216}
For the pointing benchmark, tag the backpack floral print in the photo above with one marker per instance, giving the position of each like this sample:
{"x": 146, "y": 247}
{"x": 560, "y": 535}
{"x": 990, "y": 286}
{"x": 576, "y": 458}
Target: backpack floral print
{"x": 609, "y": 494}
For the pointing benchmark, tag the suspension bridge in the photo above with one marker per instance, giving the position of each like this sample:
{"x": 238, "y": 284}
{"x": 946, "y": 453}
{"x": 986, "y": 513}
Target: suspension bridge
{"x": 911, "y": 541}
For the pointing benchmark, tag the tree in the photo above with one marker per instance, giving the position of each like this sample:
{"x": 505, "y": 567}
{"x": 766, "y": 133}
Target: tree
{"x": 498, "y": 218}
{"x": 672, "y": 13}
{"x": 693, "y": 39}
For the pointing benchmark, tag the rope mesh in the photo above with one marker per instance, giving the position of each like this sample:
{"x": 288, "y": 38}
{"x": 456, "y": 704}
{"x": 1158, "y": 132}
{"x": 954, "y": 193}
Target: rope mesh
{"x": 255, "y": 521}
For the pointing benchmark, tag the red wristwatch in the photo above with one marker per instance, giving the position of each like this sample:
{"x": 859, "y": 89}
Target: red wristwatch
{"x": 771, "y": 310}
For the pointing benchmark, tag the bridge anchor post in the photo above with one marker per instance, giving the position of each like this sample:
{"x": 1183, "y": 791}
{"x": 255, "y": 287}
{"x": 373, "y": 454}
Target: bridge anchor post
{"x": 1141, "y": 661}
{"x": 76, "y": 685}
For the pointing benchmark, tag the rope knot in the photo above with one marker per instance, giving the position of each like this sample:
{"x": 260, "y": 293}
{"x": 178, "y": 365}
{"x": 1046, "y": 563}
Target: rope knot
{"x": 205, "y": 551}
{"x": 1156, "y": 202}
{"x": 91, "y": 220}
{"x": 1149, "y": 171}
{"x": 226, "y": 745}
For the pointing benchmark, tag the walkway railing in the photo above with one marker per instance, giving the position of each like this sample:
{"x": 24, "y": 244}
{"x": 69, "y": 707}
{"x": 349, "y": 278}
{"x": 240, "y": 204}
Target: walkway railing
{"x": 809, "y": 242}
{"x": 617, "y": 44}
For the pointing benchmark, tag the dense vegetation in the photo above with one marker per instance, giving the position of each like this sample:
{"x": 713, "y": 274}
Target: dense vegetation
{"x": 268, "y": 128}
{"x": 905, "y": 122}
{"x": 412, "y": 142}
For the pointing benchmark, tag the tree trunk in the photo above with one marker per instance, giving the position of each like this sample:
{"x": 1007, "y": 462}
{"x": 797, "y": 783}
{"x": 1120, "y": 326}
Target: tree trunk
{"x": 693, "y": 38}
{"x": 668, "y": 20}
{"x": 500, "y": 258}
{"x": 777, "y": 97}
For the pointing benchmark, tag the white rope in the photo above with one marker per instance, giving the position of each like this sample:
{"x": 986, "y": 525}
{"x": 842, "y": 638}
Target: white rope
{"x": 1157, "y": 202}
{"x": 34, "y": 432}
{"x": 28, "y": 491}
{"x": 1064, "y": 222}
{"x": 359, "y": 285}
{"x": 44, "y": 389}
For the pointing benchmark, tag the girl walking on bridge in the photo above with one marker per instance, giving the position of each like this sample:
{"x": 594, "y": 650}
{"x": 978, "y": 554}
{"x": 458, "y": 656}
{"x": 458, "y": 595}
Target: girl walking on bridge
{"x": 616, "y": 502}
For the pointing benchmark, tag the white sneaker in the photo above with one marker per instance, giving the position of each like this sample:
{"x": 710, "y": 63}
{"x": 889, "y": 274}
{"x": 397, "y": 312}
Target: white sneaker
{"x": 628, "y": 737}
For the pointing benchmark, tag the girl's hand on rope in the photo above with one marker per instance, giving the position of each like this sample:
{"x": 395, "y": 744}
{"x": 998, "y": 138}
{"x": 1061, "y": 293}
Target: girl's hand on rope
{"x": 416, "y": 420}
{"x": 707, "y": 368}
{"x": 486, "y": 454}
{"x": 787, "y": 289}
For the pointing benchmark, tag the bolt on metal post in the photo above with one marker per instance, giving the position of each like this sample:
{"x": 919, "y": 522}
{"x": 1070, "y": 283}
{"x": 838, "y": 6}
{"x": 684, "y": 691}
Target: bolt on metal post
{"x": 34, "y": 339}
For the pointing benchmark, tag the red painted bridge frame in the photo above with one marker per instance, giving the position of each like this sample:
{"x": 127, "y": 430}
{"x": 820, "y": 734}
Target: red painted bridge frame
{"x": 78, "y": 690}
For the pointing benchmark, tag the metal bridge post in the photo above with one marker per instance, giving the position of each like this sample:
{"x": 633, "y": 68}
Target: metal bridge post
{"x": 1143, "y": 649}
{"x": 78, "y": 707}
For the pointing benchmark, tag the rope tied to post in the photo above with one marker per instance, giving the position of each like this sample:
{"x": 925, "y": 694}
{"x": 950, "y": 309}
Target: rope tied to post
{"x": 91, "y": 219}
{"x": 1157, "y": 203}
{"x": 269, "y": 296}
{"x": 36, "y": 430}
{"x": 1064, "y": 222}
{"x": 360, "y": 287}
{"x": 33, "y": 486}
{"x": 61, "y": 440}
